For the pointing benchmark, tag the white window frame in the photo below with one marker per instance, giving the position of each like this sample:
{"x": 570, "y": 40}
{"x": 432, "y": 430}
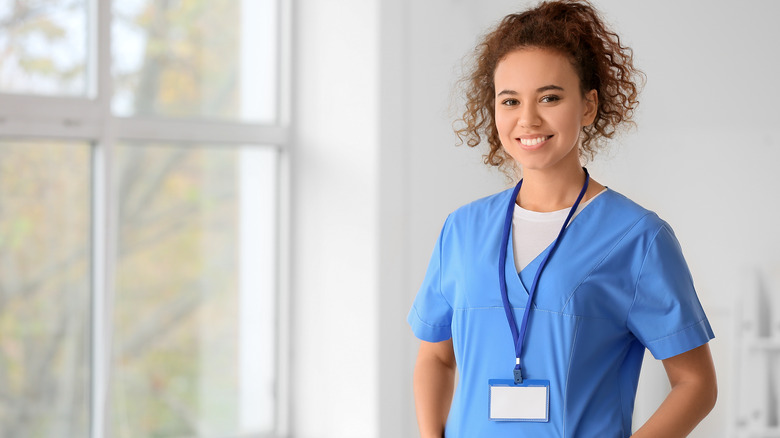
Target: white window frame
{"x": 90, "y": 119}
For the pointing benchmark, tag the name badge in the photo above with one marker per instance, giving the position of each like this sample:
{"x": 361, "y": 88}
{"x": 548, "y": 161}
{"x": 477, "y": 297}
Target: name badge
{"x": 527, "y": 401}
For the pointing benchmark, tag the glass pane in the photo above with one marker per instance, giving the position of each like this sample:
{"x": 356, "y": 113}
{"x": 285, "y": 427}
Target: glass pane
{"x": 43, "y": 47}
{"x": 194, "y": 323}
{"x": 195, "y": 59}
{"x": 44, "y": 289}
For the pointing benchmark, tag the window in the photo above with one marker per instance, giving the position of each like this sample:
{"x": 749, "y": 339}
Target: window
{"x": 192, "y": 330}
{"x": 139, "y": 229}
{"x": 44, "y": 287}
{"x": 43, "y": 47}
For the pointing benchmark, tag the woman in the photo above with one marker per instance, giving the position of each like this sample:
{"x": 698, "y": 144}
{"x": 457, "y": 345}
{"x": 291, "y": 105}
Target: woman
{"x": 544, "y": 297}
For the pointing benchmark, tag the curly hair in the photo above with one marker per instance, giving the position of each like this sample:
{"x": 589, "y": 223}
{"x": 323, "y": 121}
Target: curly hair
{"x": 575, "y": 29}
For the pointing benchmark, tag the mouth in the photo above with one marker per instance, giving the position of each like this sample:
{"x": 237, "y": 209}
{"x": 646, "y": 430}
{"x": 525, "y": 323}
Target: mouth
{"x": 531, "y": 142}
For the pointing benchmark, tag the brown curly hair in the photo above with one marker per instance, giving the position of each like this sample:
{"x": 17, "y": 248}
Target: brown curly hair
{"x": 575, "y": 29}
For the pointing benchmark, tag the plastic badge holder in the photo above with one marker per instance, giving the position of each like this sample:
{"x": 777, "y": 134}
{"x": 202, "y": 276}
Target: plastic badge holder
{"x": 527, "y": 401}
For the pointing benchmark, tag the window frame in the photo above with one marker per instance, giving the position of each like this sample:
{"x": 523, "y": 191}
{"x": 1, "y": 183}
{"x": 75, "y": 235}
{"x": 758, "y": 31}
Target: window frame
{"x": 90, "y": 119}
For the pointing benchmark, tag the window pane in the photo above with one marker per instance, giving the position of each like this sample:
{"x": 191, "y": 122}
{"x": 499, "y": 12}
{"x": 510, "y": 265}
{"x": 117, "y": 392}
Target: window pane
{"x": 195, "y": 59}
{"x": 194, "y": 323}
{"x": 44, "y": 289}
{"x": 43, "y": 47}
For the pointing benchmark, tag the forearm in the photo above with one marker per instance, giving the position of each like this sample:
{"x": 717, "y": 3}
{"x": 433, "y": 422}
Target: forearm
{"x": 434, "y": 384}
{"x": 684, "y": 407}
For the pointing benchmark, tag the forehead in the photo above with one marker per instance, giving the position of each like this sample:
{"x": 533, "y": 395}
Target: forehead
{"x": 532, "y": 68}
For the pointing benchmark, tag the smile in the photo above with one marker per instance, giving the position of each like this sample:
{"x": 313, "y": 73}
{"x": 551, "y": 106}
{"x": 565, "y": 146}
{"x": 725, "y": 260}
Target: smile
{"x": 534, "y": 141}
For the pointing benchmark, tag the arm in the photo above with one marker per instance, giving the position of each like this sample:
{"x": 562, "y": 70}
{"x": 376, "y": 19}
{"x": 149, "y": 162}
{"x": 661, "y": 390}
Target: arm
{"x": 693, "y": 395}
{"x": 434, "y": 384}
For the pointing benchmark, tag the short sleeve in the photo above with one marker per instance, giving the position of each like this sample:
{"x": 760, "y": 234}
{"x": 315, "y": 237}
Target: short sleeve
{"x": 666, "y": 315}
{"x": 431, "y": 314}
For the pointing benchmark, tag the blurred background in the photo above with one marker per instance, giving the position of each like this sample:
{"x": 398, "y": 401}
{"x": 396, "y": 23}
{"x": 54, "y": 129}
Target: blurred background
{"x": 215, "y": 214}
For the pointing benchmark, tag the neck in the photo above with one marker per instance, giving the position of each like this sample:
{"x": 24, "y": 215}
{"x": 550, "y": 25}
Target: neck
{"x": 551, "y": 189}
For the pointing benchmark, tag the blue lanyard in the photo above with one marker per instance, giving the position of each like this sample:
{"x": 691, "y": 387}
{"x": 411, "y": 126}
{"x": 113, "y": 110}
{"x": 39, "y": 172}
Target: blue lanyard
{"x": 519, "y": 336}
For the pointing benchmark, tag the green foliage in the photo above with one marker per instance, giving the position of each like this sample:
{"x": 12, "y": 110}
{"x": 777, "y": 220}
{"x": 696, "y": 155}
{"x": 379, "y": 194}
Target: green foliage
{"x": 44, "y": 287}
{"x": 39, "y": 48}
{"x": 191, "y": 60}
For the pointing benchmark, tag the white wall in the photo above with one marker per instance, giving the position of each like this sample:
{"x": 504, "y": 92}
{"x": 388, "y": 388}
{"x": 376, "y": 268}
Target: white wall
{"x": 334, "y": 358}
{"x": 376, "y": 172}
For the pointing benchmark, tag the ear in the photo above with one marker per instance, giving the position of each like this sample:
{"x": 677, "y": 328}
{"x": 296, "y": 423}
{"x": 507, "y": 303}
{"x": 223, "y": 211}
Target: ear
{"x": 591, "y": 107}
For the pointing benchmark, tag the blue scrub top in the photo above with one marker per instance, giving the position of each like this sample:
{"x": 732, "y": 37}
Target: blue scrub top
{"x": 617, "y": 284}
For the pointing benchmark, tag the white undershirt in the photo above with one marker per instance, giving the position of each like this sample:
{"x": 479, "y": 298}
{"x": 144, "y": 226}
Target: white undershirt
{"x": 533, "y": 231}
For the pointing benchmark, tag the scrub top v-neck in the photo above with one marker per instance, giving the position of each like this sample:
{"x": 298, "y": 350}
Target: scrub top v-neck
{"x": 617, "y": 284}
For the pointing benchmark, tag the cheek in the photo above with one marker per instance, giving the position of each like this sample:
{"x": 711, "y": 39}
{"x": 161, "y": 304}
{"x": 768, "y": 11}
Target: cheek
{"x": 570, "y": 120}
{"x": 502, "y": 128}
{"x": 503, "y": 124}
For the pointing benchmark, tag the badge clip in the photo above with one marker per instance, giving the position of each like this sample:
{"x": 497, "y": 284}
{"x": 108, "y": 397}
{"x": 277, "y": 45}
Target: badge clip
{"x": 518, "y": 372}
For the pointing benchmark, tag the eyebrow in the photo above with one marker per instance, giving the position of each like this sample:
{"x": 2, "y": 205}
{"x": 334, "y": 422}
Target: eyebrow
{"x": 538, "y": 90}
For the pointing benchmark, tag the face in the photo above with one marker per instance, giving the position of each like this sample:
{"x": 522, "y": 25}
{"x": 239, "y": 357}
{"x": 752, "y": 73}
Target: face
{"x": 540, "y": 109}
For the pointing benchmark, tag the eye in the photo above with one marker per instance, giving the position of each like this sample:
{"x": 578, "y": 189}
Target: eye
{"x": 550, "y": 98}
{"x": 510, "y": 102}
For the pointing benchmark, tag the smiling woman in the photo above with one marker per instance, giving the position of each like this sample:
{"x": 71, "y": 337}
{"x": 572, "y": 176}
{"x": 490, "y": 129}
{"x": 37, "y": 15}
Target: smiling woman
{"x": 587, "y": 280}
{"x": 594, "y": 52}
{"x": 540, "y": 110}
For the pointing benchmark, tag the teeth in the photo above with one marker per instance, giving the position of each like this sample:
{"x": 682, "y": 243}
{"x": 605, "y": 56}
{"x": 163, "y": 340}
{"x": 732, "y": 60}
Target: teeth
{"x": 533, "y": 141}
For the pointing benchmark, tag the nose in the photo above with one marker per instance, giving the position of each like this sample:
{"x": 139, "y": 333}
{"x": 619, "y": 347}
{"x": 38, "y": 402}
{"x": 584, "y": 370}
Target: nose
{"x": 529, "y": 116}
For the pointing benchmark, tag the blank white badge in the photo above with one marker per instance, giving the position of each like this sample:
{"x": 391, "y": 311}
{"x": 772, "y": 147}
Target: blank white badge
{"x": 528, "y": 401}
